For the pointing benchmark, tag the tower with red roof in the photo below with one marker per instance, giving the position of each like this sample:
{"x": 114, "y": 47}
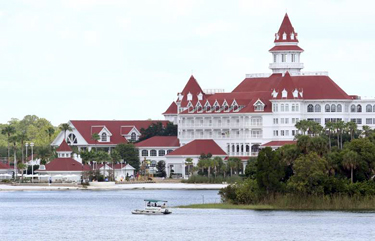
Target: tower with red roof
{"x": 286, "y": 53}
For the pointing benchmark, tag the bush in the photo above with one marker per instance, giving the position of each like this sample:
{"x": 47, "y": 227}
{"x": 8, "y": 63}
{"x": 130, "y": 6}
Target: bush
{"x": 247, "y": 192}
{"x": 218, "y": 179}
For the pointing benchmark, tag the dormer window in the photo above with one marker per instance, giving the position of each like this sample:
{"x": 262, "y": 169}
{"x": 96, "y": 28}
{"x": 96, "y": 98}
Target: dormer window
{"x": 258, "y": 105}
{"x": 284, "y": 94}
{"x": 284, "y": 36}
{"x": 104, "y": 136}
{"x": 217, "y": 108}
{"x": 292, "y": 36}
{"x": 200, "y": 96}
{"x": 180, "y": 96}
{"x": 277, "y": 36}
{"x": 189, "y": 96}
{"x": 295, "y": 93}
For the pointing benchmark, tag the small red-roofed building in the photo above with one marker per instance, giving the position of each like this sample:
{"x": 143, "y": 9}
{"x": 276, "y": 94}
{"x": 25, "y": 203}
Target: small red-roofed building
{"x": 6, "y": 171}
{"x": 176, "y": 159}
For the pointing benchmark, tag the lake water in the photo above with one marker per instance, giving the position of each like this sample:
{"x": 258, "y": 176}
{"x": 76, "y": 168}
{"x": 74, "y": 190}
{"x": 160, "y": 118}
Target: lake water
{"x": 106, "y": 215}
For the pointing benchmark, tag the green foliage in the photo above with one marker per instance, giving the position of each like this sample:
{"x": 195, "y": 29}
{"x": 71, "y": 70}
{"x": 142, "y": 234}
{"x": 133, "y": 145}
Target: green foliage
{"x": 160, "y": 166}
{"x": 129, "y": 153}
{"x": 251, "y": 168}
{"x": 157, "y": 129}
{"x": 218, "y": 179}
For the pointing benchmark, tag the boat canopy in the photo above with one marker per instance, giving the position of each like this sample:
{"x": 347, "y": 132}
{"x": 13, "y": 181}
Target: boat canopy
{"x": 154, "y": 200}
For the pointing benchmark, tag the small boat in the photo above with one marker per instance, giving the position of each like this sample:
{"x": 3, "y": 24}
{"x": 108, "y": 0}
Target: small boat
{"x": 153, "y": 207}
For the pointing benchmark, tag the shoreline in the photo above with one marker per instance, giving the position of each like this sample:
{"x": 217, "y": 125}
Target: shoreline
{"x": 133, "y": 186}
{"x": 262, "y": 207}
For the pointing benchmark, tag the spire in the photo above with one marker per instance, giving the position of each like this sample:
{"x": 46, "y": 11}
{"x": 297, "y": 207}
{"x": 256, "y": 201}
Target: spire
{"x": 191, "y": 91}
{"x": 286, "y": 31}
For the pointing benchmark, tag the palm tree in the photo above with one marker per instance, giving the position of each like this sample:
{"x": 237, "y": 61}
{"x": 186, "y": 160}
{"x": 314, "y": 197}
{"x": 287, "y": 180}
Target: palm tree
{"x": 14, "y": 139}
{"x": 8, "y": 130}
{"x": 65, "y": 127}
{"x": 329, "y": 129}
{"x": 352, "y": 128}
{"x": 188, "y": 163}
{"x": 224, "y": 169}
{"x": 95, "y": 137}
{"x": 22, "y": 137}
{"x": 302, "y": 126}
{"x": 339, "y": 126}
{"x": 366, "y": 131}
{"x": 50, "y": 131}
{"x": 21, "y": 166}
{"x": 350, "y": 161}
{"x": 231, "y": 164}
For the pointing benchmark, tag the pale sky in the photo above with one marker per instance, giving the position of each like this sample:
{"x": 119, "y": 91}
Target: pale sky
{"x": 112, "y": 59}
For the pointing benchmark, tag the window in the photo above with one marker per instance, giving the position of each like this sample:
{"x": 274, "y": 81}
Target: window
{"x": 71, "y": 139}
{"x": 310, "y": 108}
{"x": 274, "y": 58}
{"x": 282, "y": 133}
{"x": 358, "y": 121}
{"x": 275, "y": 121}
{"x": 161, "y": 152}
{"x": 317, "y": 108}
{"x": 293, "y": 132}
{"x": 327, "y": 108}
{"x": 373, "y": 108}
{"x": 282, "y": 107}
{"x": 368, "y": 108}
{"x": 153, "y": 153}
{"x": 333, "y": 108}
{"x": 282, "y": 120}
{"x": 297, "y": 107}
{"x": 284, "y": 36}
{"x": 293, "y": 120}
{"x": 293, "y": 58}
{"x": 369, "y": 121}
{"x": 283, "y": 58}
{"x": 275, "y": 108}
{"x": 169, "y": 151}
{"x": 286, "y": 107}
{"x": 259, "y": 106}
{"x": 287, "y": 132}
{"x": 339, "y": 108}
{"x": 144, "y": 153}
{"x": 104, "y": 136}
{"x": 286, "y": 120}
{"x": 352, "y": 108}
{"x": 133, "y": 137}
{"x": 359, "y": 108}
{"x": 275, "y": 133}
{"x": 293, "y": 107}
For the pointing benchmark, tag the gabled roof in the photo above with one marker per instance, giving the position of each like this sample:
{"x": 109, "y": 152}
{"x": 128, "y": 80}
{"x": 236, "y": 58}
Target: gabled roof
{"x": 278, "y": 143}
{"x": 114, "y": 127}
{"x": 172, "y": 109}
{"x": 125, "y": 130}
{"x": 159, "y": 141}
{"x": 63, "y": 147}
{"x": 286, "y": 27}
{"x": 65, "y": 164}
{"x": 198, "y": 147}
{"x": 4, "y": 166}
{"x": 286, "y": 48}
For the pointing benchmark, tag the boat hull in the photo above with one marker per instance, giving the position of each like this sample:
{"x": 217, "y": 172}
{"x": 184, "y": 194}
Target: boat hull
{"x": 151, "y": 212}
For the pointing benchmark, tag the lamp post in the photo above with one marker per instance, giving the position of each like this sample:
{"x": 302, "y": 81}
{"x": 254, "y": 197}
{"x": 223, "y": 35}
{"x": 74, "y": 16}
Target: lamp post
{"x": 32, "y": 161}
{"x": 26, "y": 145}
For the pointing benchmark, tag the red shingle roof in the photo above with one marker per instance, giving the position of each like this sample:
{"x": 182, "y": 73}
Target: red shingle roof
{"x": 84, "y": 128}
{"x": 172, "y": 109}
{"x": 278, "y": 143}
{"x": 160, "y": 141}
{"x": 285, "y": 48}
{"x": 126, "y": 129}
{"x": 193, "y": 88}
{"x": 286, "y": 27}
{"x": 4, "y": 166}
{"x": 197, "y": 147}
{"x": 63, "y": 147}
{"x": 65, "y": 164}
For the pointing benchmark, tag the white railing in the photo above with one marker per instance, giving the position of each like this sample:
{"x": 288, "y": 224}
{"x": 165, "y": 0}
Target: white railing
{"x": 258, "y": 75}
{"x": 213, "y": 91}
{"x": 310, "y": 73}
{"x": 286, "y": 65}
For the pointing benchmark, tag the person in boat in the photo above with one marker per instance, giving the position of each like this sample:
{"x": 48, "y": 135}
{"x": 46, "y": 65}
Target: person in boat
{"x": 149, "y": 204}
{"x": 163, "y": 206}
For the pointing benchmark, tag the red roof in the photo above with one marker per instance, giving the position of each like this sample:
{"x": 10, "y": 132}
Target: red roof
{"x": 313, "y": 86}
{"x": 65, "y": 164}
{"x": 286, "y": 48}
{"x": 198, "y": 147}
{"x": 172, "y": 109}
{"x": 64, "y": 147}
{"x": 159, "y": 141}
{"x": 279, "y": 143}
{"x": 286, "y": 27}
{"x": 126, "y": 129}
{"x": 96, "y": 129}
{"x": 115, "y": 127}
{"x": 4, "y": 166}
{"x": 193, "y": 88}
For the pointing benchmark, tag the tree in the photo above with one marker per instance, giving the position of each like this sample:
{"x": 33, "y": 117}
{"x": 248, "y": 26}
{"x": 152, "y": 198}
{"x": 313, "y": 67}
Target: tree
{"x": 302, "y": 126}
{"x": 269, "y": 171}
{"x": 339, "y": 126}
{"x": 44, "y": 153}
{"x": 352, "y": 128}
{"x": 14, "y": 139}
{"x": 95, "y": 137}
{"x": 8, "y": 130}
{"x": 129, "y": 153}
{"x": 350, "y": 162}
{"x": 160, "y": 166}
{"x": 231, "y": 163}
{"x": 21, "y": 166}
{"x": 157, "y": 129}
{"x": 251, "y": 168}
{"x": 189, "y": 163}
{"x": 50, "y": 131}
{"x": 329, "y": 129}
{"x": 366, "y": 131}
{"x": 310, "y": 171}
{"x": 65, "y": 127}
{"x": 304, "y": 144}
{"x": 22, "y": 137}
{"x": 103, "y": 157}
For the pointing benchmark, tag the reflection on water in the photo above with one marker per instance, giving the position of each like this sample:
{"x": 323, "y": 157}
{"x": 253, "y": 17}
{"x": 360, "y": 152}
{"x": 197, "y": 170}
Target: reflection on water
{"x": 106, "y": 215}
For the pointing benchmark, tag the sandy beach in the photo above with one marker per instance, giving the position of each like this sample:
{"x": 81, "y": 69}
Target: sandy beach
{"x": 133, "y": 186}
